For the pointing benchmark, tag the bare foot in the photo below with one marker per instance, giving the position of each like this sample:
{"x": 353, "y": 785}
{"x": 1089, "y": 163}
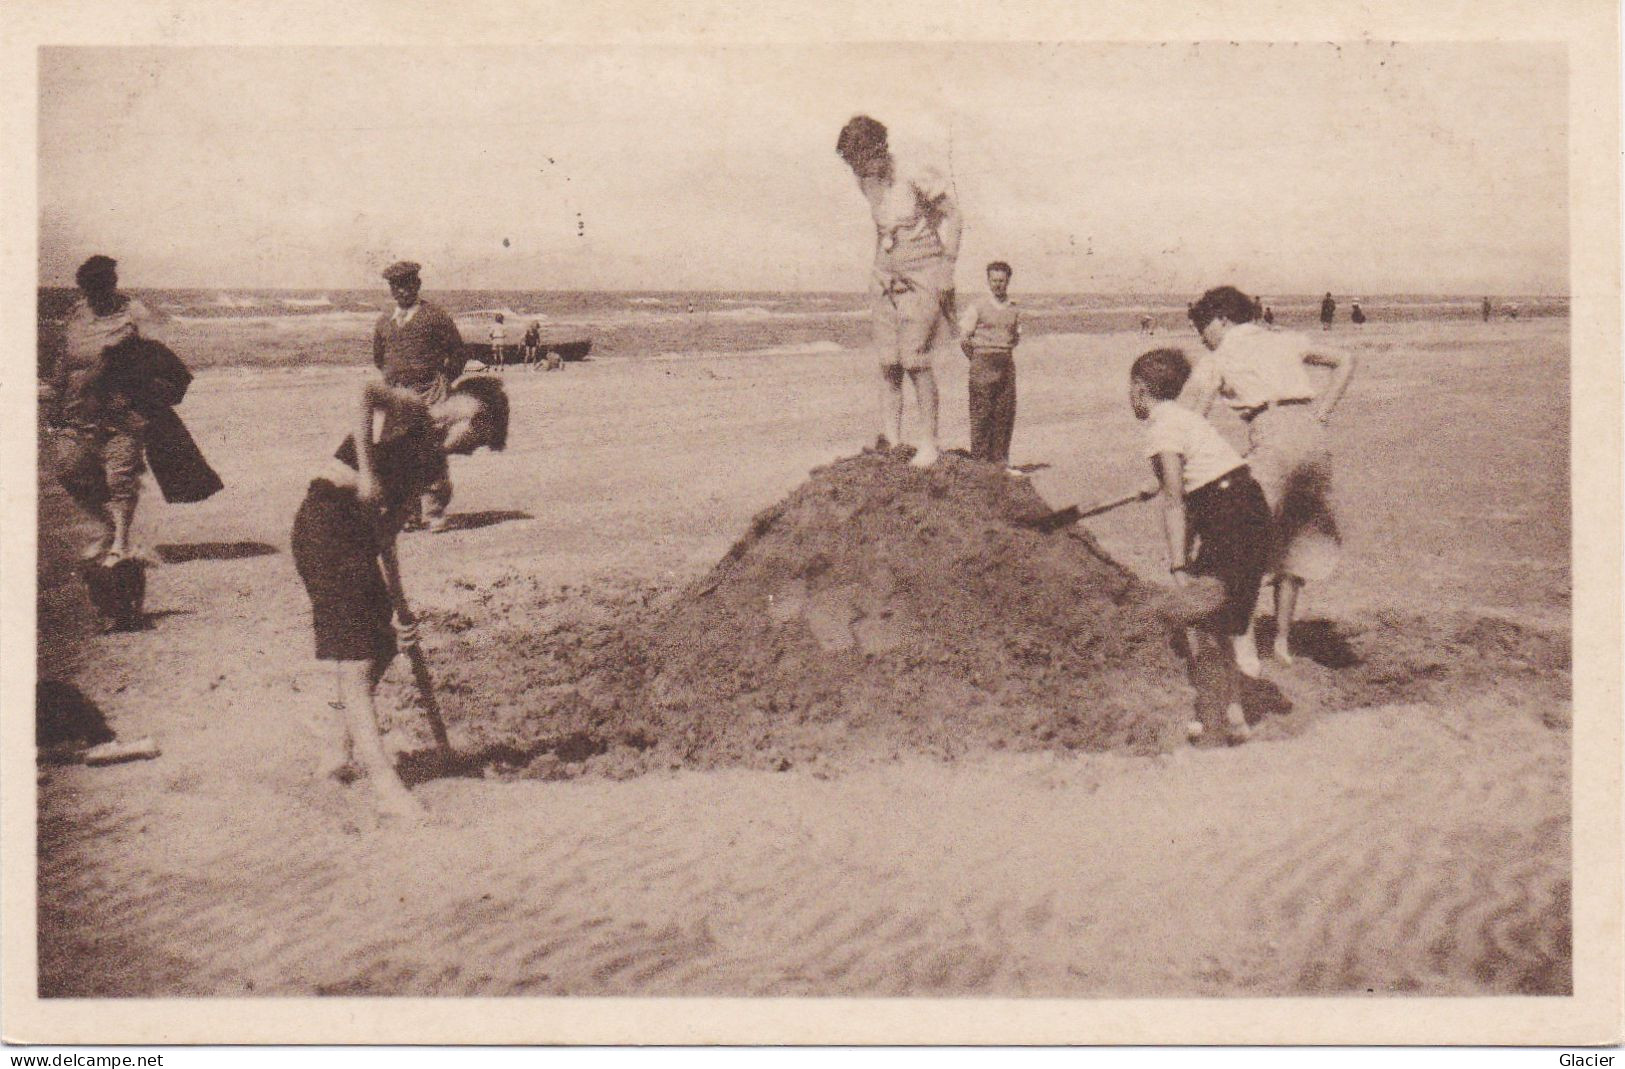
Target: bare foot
{"x": 1283, "y": 652}
{"x": 338, "y": 768}
{"x": 1247, "y": 656}
{"x": 925, "y": 456}
{"x": 401, "y": 807}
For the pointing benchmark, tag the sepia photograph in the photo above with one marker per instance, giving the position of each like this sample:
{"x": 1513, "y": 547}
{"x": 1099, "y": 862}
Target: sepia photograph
{"x": 725, "y": 517}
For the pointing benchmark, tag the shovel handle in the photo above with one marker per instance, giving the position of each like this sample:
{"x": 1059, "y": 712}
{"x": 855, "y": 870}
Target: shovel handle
{"x": 425, "y": 682}
{"x": 1116, "y": 502}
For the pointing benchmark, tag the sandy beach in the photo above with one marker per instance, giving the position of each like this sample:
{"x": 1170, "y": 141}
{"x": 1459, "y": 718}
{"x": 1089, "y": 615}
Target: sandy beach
{"x": 1416, "y": 840}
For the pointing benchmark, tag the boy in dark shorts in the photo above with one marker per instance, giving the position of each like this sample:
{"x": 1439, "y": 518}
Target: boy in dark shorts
{"x": 1211, "y": 502}
{"x": 344, "y": 547}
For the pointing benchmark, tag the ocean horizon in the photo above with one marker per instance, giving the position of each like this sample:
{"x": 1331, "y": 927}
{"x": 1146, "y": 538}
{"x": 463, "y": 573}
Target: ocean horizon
{"x": 634, "y": 323}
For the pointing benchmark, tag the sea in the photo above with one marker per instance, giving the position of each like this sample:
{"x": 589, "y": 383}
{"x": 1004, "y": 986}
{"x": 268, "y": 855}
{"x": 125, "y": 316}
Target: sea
{"x": 665, "y": 323}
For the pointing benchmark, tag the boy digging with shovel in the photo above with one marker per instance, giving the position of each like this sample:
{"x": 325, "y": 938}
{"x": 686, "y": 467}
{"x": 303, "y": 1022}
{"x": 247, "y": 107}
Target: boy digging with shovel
{"x": 1210, "y": 502}
{"x": 344, "y": 547}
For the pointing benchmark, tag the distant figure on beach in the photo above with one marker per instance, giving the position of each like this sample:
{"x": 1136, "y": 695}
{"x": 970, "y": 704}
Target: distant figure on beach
{"x": 1357, "y": 315}
{"x": 1147, "y": 325}
{"x": 990, "y": 331}
{"x": 101, "y": 443}
{"x": 343, "y": 546}
{"x": 1328, "y": 312}
{"x": 1269, "y": 315}
{"x": 1488, "y": 308}
{"x": 917, "y": 232}
{"x": 417, "y": 347}
{"x": 499, "y": 343}
{"x": 1258, "y": 308}
{"x": 1262, "y": 375}
{"x": 533, "y": 341}
{"x": 1512, "y": 311}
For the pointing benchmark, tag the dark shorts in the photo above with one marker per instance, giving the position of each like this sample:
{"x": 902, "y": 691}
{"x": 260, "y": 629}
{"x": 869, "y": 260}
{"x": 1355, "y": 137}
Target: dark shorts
{"x": 1231, "y": 522}
{"x": 335, "y": 548}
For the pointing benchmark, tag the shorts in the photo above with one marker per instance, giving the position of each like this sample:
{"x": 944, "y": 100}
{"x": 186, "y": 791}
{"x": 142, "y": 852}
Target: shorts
{"x": 99, "y": 465}
{"x": 1231, "y": 522}
{"x": 910, "y": 314}
{"x": 1288, "y": 455}
{"x": 335, "y": 548}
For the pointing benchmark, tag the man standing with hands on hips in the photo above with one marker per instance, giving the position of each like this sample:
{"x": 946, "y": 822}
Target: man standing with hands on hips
{"x": 417, "y": 346}
{"x": 917, "y": 232}
{"x": 990, "y": 331}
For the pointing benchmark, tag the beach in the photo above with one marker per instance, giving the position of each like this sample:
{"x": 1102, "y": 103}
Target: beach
{"x": 1413, "y": 841}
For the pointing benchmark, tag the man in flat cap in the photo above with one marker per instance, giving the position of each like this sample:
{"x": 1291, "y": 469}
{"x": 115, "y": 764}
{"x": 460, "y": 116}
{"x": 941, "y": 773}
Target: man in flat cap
{"x": 417, "y": 346}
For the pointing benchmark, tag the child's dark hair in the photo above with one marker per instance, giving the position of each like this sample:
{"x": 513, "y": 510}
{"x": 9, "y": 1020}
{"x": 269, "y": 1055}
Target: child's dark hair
{"x": 1223, "y": 302}
{"x": 1000, "y": 265}
{"x": 861, "y": 138}
{"x": 1163, "y": 371}
{"x": 95, "y": 272}
{"x": 493, "y": 399}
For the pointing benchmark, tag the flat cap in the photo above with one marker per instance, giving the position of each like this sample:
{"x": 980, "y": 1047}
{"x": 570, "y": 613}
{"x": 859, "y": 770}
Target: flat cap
{"x": 401, "y": 270}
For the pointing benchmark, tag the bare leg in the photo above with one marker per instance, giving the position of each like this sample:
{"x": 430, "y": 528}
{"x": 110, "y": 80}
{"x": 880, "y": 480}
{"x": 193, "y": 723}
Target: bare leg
{"x": 1245, "y": 648}
{"x": 891, "y": 404}
{"x": 356, "y": 682}
{"x": 122, "y": 512}
{"x": 96, "y": 548}
{"x": 337, "y": 760}
{"x": 925, "y": 399}
{"x": 1286, "y": 603}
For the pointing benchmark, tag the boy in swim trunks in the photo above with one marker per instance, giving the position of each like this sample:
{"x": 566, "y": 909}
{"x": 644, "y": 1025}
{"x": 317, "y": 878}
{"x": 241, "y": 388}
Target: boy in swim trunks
{"x": 344, "y": 547}
{"x": 917, "y": 232}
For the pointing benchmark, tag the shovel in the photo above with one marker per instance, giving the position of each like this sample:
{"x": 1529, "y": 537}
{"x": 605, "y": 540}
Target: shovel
{"x": 425, "y": 682}
{"x": 1070, "y": 515}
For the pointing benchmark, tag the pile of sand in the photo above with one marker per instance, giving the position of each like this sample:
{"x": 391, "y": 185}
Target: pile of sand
{"x": 879, "y": 608}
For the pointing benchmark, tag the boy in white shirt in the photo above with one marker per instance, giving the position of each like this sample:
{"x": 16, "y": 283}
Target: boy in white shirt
{"x": 917, "y": 232}
{"x": 1211, "y": 502}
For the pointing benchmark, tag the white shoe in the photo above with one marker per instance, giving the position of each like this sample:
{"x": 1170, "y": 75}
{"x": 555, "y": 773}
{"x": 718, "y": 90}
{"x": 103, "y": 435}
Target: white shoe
{"x": 1193, "y": 729}
{"x": 1283, "y": 653}
{"x": 1015, "y": 473}
{"x": 924, "y": 457}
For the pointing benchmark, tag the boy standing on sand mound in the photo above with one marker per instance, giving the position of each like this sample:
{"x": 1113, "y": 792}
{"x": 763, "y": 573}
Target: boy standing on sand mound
{"x": 917, "y": 231}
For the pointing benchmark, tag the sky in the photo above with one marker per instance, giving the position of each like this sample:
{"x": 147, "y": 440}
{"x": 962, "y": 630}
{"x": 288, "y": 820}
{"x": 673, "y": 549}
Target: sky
{"x": 1283, "y": 168}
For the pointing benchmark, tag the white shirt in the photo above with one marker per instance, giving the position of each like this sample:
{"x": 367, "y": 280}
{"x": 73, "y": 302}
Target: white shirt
{"x": 907, "y": 209}
{"x": 1172, "y": 428}
{"x": 404, "y": 316}
{"x": 1254, "y": 367}
{"x": 499, "y": 334}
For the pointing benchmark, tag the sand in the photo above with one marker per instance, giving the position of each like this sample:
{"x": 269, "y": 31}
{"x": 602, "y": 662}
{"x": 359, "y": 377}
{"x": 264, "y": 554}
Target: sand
{"x": 1404, "y": 828}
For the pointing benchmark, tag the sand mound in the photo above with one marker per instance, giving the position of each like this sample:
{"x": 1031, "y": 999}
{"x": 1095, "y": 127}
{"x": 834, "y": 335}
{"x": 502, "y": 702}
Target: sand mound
{"x": 909, "y": 607}
{"x": 878, "y": 608}
{"x": 881, "y": 610}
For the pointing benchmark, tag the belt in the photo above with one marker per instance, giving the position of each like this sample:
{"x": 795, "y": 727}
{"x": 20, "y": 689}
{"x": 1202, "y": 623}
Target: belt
{"x": 1250, "y": 414}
